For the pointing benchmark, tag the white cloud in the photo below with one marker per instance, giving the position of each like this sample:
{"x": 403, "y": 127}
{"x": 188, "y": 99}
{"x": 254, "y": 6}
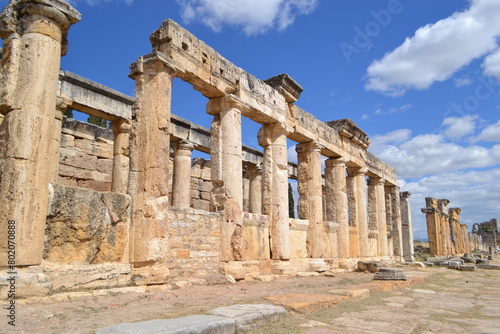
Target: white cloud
{"x": 491, "y": 133}
{"x": 461, "y": 82}
{"x": 253, "y": 16}
{"x": 459, "y": 127}
{"x": 491, "y": 64}
{"x": 438, "y": 50}
{"x": 393, "y": 110}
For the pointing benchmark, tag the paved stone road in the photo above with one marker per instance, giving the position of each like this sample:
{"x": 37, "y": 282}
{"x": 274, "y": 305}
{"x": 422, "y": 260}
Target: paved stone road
{"x": 449, "y": 302}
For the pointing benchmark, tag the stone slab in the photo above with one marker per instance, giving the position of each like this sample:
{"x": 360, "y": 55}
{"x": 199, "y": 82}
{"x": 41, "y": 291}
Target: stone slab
{"x": 250, "y": 316}
{"x": 194, "y": 324}
{"x": 306, "y": 302}
{"x": 488, "y": 266}
{"x": 371, "y": 266}
{"x": 389, "y": 274}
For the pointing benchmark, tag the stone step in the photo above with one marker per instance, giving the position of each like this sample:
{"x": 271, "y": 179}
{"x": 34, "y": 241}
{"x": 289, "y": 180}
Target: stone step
{"x": 194, "y": 324}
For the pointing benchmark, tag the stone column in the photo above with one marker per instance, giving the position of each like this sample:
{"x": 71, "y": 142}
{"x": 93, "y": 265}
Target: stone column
{"x": 227, "y": 172}
{"x": 272, "y": 137}
{"x": 121, "y": 150}
{"x": 150, "y": 158}
{"x": 34, "y": 35}
{"x": 456, "y": 231}
{"x": 444, "y": 222}
{"x": 433, "y": 226}
{"x": 395, "y": 220}
{"x": 356, "y": 190}
{"x": 62, "y": 104}
{"x": 407, "y": 227}
{"x": 376, "y": 208}
{"x": 181, "y": 183}
{"x": 336, "y": 202}
{"x": 310, "y": 204}
{"x": 255, "y": 188}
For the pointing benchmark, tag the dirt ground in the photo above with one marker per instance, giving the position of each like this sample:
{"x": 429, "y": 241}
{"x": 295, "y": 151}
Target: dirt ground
{"x": 86, "y": 315}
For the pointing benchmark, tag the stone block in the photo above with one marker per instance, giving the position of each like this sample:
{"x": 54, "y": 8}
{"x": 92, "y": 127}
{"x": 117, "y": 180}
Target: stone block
{"x": 351, "y": 292}
{"x": 304, "y": 303}
{"x": 389, "y": 274}
{"x": 105, "y": 166}
{"x": 467, "y": 267}
{"x": 250, "y": 316}
{"x": 371, "y": 266}
{"x": 200, "y": 324}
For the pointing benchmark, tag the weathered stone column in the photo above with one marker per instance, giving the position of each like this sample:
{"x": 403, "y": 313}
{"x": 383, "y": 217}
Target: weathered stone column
{"x": 272, "y": 137}
{"x": 356, "y": 190}
{"x": 121, "y": 150}
{"x": 458, "y": 245}
{"x": 34, "y": 35}
{"x": 227, "y": 172}
{"x": 62, "y": 104}
{"x": 149, "y": 160}
{"x": 407, "y": 227}
{"x": 310, "y": 204}
{"x": 255, "y": 191}
{"x": 396, "y": 232}
{"x": 336, "y": 202}
{"x": 444, "y": 222}
{"x": 376, "y": 208}
{"x": 433, "y": 226}
{"x": 181, "y": 183}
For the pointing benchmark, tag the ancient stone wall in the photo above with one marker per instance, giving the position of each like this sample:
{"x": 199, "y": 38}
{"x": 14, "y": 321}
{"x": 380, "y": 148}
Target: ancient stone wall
{"x": 86, "y": 155}
{"x": 131, "y": 200}
{"x": 488, "y": 232}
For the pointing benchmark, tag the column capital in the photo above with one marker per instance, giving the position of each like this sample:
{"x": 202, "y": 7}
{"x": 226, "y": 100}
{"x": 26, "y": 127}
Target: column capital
{"x": 63, "y": 102}
{"x": 217, "y": 105}
{"x": 155, "y": 60}
{"x": 375, "y": 180}
{"x": 58, "y": 11}
{"x": 336, "y": 162}
{"x": 310, "y": 146}
{"x": 406, "y": 194}
{"x": 268, "y": 131}
{"x": 356, "y": 171}
{"x": 121, "y": 126}
{"x": 185, "y": 145}
{"x": 254, "y": 168}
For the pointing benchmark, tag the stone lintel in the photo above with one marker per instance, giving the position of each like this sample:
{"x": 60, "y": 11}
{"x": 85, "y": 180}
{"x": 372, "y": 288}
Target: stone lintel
{"x": 429, "y": 210}
{"x": 288, "y": 87}
{"x": 348, "y": 129}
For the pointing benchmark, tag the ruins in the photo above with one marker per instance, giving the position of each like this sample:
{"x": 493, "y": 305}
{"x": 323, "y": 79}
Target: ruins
{"x": 446, "y": 235}
{"x": 488, "y": 232}
{"x": 97, "y": 208}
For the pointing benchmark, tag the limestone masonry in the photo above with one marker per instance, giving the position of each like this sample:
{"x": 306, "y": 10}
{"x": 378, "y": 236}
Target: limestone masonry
{"x": 99, "y": 208}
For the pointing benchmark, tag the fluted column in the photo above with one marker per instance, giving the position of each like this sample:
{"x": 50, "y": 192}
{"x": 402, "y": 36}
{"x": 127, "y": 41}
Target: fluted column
{"x": 336, "y": 202}
{"x": 272, "y": 137}
{"x": 227, "y": 171}
{"x": 356, "y": 190}
{"x": 395, "y": 230}
{"x": 310, "y": 205}
{"x": 181, "y": 183}
{"x": 34, "y": 39}
{"x": 407, "y": 227}
{"x": 150, "y": 157}
{"x": 255, "y": 188}
{"x": 121, "y": 150}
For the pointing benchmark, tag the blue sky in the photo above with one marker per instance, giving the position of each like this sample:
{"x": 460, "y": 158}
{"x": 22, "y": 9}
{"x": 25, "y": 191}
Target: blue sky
{"x": 420, "y": 77}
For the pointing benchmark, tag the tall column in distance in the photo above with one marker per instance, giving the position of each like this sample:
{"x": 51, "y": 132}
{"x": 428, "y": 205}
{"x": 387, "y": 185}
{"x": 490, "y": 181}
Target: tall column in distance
{"x": 433, "y": 226}
{"x": 272, "y": 137}
{"x": 444, "y": 222}
{"x": 150, "y": 158}
{"x": 34, "y": 39}
{"x": 336, "y": 202}
{"x": 396, "y": 220}
{"x": 227, "y": 172}
{"x": 181, "y": 183}
{"x": 376, "y": 208}
{"x": 121, "y": 150}
{"x": 357, "y": 192}
{"x": 310, "y": 205}
{"x": 407, "y": 227}
{"x": 255, "y": 191}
